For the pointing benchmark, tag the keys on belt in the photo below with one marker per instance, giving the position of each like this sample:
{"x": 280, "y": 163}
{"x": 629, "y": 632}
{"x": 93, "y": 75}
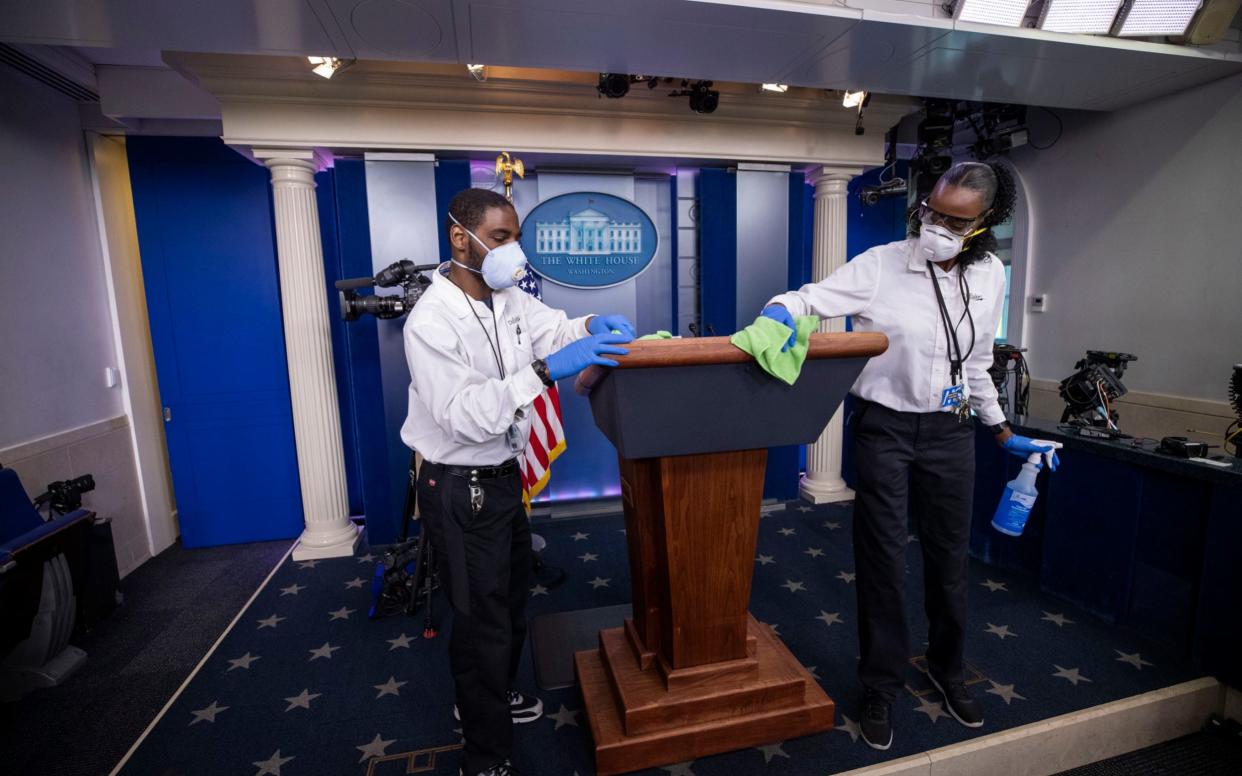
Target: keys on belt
{"x": 475, "y": 474}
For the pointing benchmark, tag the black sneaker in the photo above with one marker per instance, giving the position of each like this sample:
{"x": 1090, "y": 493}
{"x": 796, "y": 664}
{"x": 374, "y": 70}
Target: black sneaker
{"x": 877, "y": 721}
{"x": 524, "y": 708}
{"x": 960, "y": 703}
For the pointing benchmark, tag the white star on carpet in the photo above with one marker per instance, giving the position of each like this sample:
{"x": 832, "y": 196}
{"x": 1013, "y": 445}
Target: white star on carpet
{"x": 829, "y": 618}
{"x": 621, "y": 531}
{"x": 391, "y": 687}
{"x": 325, "y": 651}
{"x": 792, "y": 586}
{"x": 374, "y": 749}
{"x": 207, "y": 713}
{"x": 775, "y": 628}
{"x": 302, "y": 700}
{"x": 680, "y": 769}
{"x": 341, "y": 614}
{"x": 831, "y": 526}
{"x": 764, "y": 560}
{"x": 270, "y": 622}
{"x": 994, "y": 586}
{"x": 368, "y": 558}
{"x": 293, "y": 589}
{"x": 242, "y": 662}
{"x": 538, "y": 590}
{"x": 597, "y": 583}
{"x": 934, "y": 711}
{"x": 580, "y": 536}
{"x": 787, "y": 532}
{"x": 1059, "y": 619}
{"x": 271, "y": 766}
{"x": 846, "y": 576}
{"x": 1005, "y": 691}
{"x": 814, "y": 674}
{"x": 772, "y": 750}
{"x": 1000, "y": 630}
{"x": 849, "y": 727}
{"x": 564, "y": 717}
{"x": 307, "y": 564}
{"x": 401, "y": 642}
{"x": 587, "y": 557}
{"x": 804, "y": 509}
{"x": 1070, "y": 674}
{"x": 355, "y": 583}
{"x": 911, "y": 539}
{"x": 1135, "y": 660}
{"x": 814, "y": 552}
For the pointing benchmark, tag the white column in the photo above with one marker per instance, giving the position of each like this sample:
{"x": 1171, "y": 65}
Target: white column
{"x": 308, "y": 347}
{"x": 823, "y": 483}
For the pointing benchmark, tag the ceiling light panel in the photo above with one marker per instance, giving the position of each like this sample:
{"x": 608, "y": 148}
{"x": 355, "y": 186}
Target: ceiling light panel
{"x": 1143, "y": 18}
{"x": 1004, "y": 13}
{"x": 1086, "y": 17}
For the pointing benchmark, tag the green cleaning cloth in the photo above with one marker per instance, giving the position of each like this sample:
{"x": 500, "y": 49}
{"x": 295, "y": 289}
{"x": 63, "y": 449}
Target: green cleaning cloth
{"x": 661, "y": 334}
{"x": 764, "y": 338}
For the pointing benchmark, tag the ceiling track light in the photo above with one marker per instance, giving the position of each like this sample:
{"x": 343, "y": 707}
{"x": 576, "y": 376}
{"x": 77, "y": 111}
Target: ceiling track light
{"x": 775, "y": 88}
{"x": 478, "y": 72}
{"x": 853, "y": 99}
{"x": 703, "y": 98}
{"x": 326, "y": 67}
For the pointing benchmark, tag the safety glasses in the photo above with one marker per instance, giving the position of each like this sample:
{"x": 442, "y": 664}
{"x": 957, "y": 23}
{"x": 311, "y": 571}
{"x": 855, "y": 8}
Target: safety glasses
{"x": 958, "y": 226}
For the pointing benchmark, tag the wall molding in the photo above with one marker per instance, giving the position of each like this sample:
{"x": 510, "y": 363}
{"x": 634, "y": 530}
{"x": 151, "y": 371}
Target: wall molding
{"x": 1159, "y": 401}
{"x": 61, "y": 439}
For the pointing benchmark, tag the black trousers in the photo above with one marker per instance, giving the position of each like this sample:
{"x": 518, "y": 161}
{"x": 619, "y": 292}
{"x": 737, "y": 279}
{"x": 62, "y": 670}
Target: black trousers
{"x": 930, "y": 457}
{"x": 485, "y": 561}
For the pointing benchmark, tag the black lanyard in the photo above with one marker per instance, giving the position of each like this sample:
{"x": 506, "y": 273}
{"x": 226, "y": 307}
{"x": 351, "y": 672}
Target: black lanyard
{"x": 500, "y": 364}
{"x": 950, "y": 330}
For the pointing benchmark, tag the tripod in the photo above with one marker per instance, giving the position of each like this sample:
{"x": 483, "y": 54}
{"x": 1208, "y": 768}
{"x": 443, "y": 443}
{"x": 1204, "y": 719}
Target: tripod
{"x": 408, "y": 574}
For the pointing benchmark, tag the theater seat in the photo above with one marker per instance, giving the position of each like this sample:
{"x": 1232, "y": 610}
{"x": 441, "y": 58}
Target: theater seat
{"x": 42, "y": 568}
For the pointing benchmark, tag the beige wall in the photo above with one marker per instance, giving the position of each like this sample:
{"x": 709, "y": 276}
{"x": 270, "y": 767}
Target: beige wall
{"x": 105, "y": 451}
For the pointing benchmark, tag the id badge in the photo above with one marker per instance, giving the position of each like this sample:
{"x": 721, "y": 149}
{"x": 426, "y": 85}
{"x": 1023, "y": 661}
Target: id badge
{"x": 953, "y": 396}
{"x": 513, "y": 437}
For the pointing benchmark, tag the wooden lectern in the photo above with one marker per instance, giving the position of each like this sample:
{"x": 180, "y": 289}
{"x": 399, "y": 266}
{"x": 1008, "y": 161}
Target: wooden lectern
{"x": 693, "y": 673}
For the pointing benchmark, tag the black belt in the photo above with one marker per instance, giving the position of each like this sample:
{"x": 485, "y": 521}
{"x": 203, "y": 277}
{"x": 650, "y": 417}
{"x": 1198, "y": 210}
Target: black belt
{"x": 505, "y": 469}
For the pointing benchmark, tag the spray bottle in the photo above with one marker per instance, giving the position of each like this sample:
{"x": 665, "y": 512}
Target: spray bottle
{"x": 1020, "y": 494}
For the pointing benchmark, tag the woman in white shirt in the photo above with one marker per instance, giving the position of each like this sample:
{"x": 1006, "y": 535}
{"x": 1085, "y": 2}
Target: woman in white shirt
{"x": 938, "y": 296}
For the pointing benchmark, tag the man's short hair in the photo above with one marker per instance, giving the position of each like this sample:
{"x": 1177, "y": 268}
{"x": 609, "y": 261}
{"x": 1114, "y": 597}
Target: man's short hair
{"x": 470, "y": 207}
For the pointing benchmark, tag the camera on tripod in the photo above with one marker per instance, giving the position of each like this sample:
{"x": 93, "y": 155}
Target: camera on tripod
{"x": 404, "y": 273}
{"x": 1089, "y": 393}
{"x": 64, "y": 496}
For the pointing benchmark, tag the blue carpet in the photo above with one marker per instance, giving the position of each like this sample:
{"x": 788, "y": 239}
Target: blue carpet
{"x": 305, "y": 684}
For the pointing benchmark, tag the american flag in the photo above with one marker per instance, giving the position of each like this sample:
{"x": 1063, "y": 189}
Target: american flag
{"x": 547, "y": 435}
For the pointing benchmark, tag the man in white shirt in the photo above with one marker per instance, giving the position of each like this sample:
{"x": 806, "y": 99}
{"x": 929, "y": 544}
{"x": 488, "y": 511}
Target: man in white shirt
{"x": 480, "y": 351}
{"x": 938, "y": 296}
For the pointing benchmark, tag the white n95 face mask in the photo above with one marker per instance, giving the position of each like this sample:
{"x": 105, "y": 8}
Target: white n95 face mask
{"x": 503, "y": 266}
{"x": 937, "y": 243}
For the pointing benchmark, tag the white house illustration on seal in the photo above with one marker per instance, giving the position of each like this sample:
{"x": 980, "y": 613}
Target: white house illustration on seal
{"x": 588, "y": 232}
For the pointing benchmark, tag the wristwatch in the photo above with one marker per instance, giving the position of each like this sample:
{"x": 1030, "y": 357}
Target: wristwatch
{"x": 541, "y": 368}
{"x": 999, "y": 427}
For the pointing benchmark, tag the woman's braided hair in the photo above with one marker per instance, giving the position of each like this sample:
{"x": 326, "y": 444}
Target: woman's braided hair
{"x": 996, "y": 186}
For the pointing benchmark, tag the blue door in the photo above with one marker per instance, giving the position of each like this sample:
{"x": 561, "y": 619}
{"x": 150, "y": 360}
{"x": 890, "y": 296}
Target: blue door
{"x": 208, "y": 248}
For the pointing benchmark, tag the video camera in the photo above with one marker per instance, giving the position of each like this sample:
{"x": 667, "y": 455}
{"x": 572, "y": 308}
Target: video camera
{"x": 404, "y": 273}
{"x": 1090, "y": 391}
{"x": 64, "y": 496}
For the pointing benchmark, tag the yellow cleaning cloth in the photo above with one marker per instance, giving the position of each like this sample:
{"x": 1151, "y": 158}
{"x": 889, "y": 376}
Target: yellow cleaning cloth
{"x": 764, "y": 339}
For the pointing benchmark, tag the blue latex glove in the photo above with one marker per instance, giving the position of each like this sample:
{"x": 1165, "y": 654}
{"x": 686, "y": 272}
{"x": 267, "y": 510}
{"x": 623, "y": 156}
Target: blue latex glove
{"x": 781, "y": 315}
{"x": 578, "y": 355}
{"x": 606, "y": 324}
{"x": 1023, "y": 447}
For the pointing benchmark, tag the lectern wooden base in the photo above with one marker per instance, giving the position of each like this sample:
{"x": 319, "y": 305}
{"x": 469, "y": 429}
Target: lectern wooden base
{"x": 692, "y": 673}
{"x": 642, "y": 718}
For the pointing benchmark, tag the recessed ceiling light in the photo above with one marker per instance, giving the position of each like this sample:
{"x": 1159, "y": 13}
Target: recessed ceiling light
{"x": 478, "y": 71}
{"x": 853, "y": 99}
{"x": 778, "y": 88}
{"x": 327, "y": 67}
